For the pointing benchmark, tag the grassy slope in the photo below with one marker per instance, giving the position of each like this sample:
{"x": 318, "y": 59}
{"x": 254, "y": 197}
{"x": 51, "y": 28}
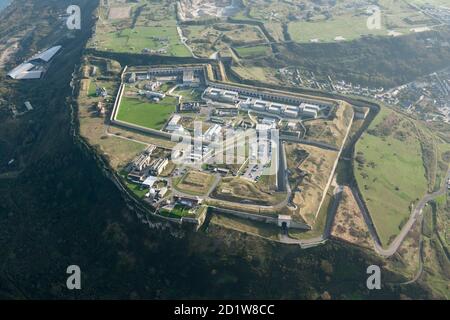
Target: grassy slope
{"x": 135, "y": 40}
{"x": 150, "y": 115}
{"x": 354, "y": 25}
{"x": 397, "y": 165}
{"x": 347, "y": 26}
{"x": 252, "y": 52}
{"x": 157, "y": 32}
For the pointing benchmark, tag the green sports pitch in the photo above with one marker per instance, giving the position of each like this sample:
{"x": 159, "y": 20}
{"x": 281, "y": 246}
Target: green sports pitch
{"x": 146, "y": 114}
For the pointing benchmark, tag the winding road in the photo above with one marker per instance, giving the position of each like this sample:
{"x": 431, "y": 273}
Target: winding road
{"x": 416, "y": 214}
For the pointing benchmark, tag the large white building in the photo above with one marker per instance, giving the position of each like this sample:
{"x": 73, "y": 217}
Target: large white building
{"x": 213, "y": 132}
{"x": 173, "y": 125}
{"x": 32, "y": 68}
{"x": 25, "y": 71}
{"x": 221, "y": 95}
{"x": 310, "y": 110}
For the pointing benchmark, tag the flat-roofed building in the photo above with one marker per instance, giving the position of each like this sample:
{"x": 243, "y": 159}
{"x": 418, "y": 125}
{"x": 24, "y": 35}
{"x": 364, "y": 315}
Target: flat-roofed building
{"x": 212, "y": 132}
{"x": 32, "y": 68}
{"x": 158, "y": 165}
{"x": 189, "y": 78}
{"x": 46, "y": 55}
{"x": 310, "y": 110}
{"x": 221, "y": 95}
{"x": 310, "y": 106}
{"x": 25, "y": 71}
{"x": 260, "y": 105}
{"x": 275, "y": 108}
{"x": 152, "y": 94}
{"x": 263, "y": 127}
{"x": 292, "y": 108}
{"x": 141, "y": 162}
{"x": 28, "y": 105}
{"x": 152, "y": 85}
{"x": 269, "y": 121}
{"x": 291, "y": 113}
{"x": 173, "y": 124}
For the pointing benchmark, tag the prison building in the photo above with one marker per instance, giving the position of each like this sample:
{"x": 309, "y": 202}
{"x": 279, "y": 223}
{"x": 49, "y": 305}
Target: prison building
{"x": 212, "y": 132}
{"x": 173, "y": 124}
{"x": 188, "y": 75}
{"x": 269, "y": 121}
{"x": 260, "y": 105}
{"x": 291, "y": 113}
{"x": 221, "y": 95}
{"x": 189, "y": 78}
{"x": 269, "y": 95}
{"x": 153, "y": 94}
{"x": 158, "y": 165}
{"x": 275, "y": 108}
{"x": 141, "y": 162}
{"x": 132, "y": 78}
{"x": 306, "y": 111}
{"x": 136, "y": 176}
{"x": 152, "y": 86}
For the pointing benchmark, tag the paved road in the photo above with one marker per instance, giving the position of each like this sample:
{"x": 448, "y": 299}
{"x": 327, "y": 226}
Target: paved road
{"x": 420, "y": 271}
{"x": 415, "y": 215}
{"x": 184, "y": 41}
{"x": 313, "y": 242}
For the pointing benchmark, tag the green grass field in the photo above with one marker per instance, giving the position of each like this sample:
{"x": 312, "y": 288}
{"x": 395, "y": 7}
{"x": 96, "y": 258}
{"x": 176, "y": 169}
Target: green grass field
{"x": 146, "y": 114}
{"x": 348, "y": 26}
{"x": 178, "y": 211}
{"x": 152, "y": 37}
{"x": 252, "y": 52}
{"x": 395, "y": 16}
{"x": 392, "y": 177}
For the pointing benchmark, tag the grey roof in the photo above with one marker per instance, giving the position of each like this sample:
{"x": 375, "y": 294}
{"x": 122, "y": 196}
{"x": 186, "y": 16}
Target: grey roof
{"x": 30, "y": 75}
{"x": 20, "y": 69}
{"x": 25, "y": 70}
{"x": 46, "y": 55}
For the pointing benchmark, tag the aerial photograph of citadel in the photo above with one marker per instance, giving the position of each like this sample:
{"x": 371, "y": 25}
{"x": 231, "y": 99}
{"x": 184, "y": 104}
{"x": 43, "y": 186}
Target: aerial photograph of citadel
{"x": 257, "y": 137}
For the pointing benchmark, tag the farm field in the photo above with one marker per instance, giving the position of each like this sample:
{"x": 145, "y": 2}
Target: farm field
{"x": 164, "y": 38}
{"x": 338, "y": 21}
{"x": 348, "y": 27}
{"x": 390, "y": 172}
{"x": 396, "y": 18}
{"x": 141, "y": 27}
{"x": 146, "y": 114}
